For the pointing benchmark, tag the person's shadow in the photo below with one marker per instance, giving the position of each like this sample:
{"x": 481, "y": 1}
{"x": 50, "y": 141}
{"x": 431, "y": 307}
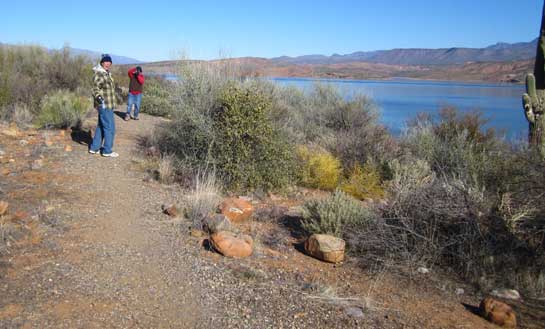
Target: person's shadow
{"x": 120, "y": 114}
{"x": 81, "y": 136}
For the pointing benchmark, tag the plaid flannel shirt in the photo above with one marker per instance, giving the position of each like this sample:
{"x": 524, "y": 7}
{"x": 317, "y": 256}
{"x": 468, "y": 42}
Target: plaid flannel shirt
{"x": 103, "y": 85}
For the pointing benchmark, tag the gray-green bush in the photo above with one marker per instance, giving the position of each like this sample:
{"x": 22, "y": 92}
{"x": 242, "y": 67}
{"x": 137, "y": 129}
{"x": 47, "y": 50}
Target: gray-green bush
{"x": 28, "y": 73}
{"x": 334, "y": 214}
{"x": 62, "y": 109}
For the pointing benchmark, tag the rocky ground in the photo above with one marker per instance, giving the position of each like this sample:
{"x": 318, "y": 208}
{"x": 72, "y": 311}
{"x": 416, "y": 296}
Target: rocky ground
{"x": 84, "y": 244}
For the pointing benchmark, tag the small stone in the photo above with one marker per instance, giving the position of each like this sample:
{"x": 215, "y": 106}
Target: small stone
{"x": 5, "y": 172}
{"x": 3, "y": 207}
{"x": 68, "y": 148}
{"x": 170, "y": 210}
{"x": 23, "y": 142}
{"x": 2, "y": 152}
{"x": 354, "y": 312}
{"x": 196, "y": 233}
{"x": 37, "y": 164}
{"x": 460, "y": 291}
{"x": 506, "y": 294}
{"x": 498, "y": 313}
{"x": 48, "y": 142}
{"x": 12, "y": 132}
{"x": 423, "y": 270}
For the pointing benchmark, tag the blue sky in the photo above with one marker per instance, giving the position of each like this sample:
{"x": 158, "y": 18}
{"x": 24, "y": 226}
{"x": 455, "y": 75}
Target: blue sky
{"x": 206, "y": 29}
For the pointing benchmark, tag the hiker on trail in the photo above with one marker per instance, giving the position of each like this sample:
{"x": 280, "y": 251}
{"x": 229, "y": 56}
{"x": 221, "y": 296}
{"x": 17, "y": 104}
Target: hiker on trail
{"x": 104, "y": 101}
{"x": 136, "y": 85}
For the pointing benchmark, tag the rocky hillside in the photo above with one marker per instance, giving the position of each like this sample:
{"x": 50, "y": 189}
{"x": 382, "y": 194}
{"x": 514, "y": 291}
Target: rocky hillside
{"x": 500, "y": 52}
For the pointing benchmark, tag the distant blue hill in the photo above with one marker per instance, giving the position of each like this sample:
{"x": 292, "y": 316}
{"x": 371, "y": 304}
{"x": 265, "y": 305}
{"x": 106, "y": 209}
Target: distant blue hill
{"x": 93, "y": 56}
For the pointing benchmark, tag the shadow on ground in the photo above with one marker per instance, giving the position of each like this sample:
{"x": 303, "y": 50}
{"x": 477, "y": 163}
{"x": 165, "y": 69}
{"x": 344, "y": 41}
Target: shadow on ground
{"x": 81, "y": 136}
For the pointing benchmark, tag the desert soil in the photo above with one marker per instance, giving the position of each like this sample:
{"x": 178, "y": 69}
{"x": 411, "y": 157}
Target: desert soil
{"x": 86, "y": 245}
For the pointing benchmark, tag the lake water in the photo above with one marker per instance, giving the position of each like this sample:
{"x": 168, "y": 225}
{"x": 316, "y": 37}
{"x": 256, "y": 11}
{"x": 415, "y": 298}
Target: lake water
{"x": 400, "y": 100}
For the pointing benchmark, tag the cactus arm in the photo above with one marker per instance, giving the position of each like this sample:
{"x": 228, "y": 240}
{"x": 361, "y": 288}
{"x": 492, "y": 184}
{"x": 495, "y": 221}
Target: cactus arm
{"x": 531, "y": 86}
{"x": 528, "y": 111}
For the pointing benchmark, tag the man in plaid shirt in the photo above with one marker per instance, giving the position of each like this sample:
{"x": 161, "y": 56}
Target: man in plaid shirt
{"x": 104, "y": 96}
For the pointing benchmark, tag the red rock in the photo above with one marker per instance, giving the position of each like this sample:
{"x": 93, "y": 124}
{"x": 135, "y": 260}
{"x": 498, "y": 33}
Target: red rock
{"x": 498, "y": 313}
{"x": 170, "y": 210}
{"x": 3, "y": 207}
{"x": 236, "y": 209}
{"x": 20, "y": 215}
{"x": 325, "y": 247}
{"x": 227, "y": 244}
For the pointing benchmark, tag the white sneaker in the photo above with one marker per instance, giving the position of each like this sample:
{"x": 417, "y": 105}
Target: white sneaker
{"x": 93, "y": 152}
{"x": 110, "y": 155}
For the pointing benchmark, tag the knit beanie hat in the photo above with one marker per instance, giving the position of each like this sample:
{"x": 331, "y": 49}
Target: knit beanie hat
{"x": 105, "y": 58}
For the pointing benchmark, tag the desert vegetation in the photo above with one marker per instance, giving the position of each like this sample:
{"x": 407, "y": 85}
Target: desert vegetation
{"x": 47, "y": 88}
{"x": 446, "y": 194}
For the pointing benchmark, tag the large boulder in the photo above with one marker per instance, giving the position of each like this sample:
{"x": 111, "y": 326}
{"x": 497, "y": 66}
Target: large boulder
{"x": 498, "y": 313}
{"x": 325, "y": 247}
{"x": 236, "y": 209}
{"x": 229, "y": 245}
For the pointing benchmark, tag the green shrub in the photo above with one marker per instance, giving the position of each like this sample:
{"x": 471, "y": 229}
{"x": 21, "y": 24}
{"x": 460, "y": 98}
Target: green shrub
{"x": 318, "y": 168}
{"x": 333, "y": 214}
{"x": 236, "y": 138}
{"x": 62, "y": 109}
{"x": 248, "y": 151}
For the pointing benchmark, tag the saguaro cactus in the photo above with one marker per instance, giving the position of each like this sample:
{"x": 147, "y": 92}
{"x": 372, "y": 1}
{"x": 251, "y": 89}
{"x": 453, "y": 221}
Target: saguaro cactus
{"x": 533, "y": 100}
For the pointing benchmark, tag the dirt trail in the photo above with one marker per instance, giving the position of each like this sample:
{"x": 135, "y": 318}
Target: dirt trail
{"x": 112, "y": 267}
{"x": 106, "y": 257}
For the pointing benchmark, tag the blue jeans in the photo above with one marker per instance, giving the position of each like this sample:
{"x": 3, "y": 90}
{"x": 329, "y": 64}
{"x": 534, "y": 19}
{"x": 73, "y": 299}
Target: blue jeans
{"x": 105, "y": 132}
{"x": 136, "y": 100}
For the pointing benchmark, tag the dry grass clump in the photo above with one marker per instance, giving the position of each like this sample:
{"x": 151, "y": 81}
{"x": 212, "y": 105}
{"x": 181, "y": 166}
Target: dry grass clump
{"x": 203, "y": 199}
{"x": 167, "y": 169}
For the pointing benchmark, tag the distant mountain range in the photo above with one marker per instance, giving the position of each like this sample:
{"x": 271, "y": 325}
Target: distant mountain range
{"x": 500, "y": 52}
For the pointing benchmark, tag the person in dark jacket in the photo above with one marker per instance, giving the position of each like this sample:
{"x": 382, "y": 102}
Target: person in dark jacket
{"x": 136, "y": 86}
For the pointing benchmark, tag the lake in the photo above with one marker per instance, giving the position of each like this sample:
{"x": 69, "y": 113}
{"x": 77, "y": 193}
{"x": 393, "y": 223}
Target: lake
{"x": 401, "y": 99}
